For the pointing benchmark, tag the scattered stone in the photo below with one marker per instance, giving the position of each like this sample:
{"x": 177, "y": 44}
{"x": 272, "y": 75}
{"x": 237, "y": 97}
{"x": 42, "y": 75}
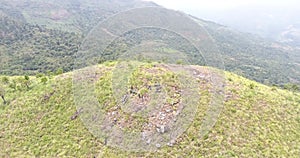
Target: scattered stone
{"x": 171, "y": 143}
{"x": 162, "y": 129}
{"x": 143, "y": 136}
{"x": 158, "y": 145}
{"x": 158, "y": 130}
{"x": 148, "y": 141}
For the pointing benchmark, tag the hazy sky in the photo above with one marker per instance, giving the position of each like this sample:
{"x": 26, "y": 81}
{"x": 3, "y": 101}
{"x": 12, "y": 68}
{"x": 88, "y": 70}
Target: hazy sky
{"x": 219, "y": 5}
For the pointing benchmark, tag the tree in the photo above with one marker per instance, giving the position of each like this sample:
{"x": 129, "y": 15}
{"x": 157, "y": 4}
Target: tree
{"x": 2, "y": 94}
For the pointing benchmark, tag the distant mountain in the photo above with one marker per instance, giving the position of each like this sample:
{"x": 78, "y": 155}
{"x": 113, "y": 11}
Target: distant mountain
{"x": 272, "y": 22}
{"x": 256, "y": 58}
{"x": 41, "y": 36}
{"x": 68, "y": 15}
{"x": 291, "y": 35}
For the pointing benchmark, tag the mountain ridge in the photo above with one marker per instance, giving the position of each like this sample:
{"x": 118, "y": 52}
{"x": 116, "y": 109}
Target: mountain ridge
{"x": 245, "y": 54}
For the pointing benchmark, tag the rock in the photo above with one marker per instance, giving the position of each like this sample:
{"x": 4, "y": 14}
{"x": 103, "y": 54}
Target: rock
{"x": 158, "y": 130}
{"x": 148, "y": 141}
{"x": 143, "y": 136}
{"x": 171, "y": 143}
{"x": 158, "y": 145}
{"x": 162, "y": 129}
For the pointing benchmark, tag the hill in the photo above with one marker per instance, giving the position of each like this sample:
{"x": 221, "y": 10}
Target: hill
{"x": 43, "y": 116}
{"x": 276, "y": 22}
{"x": 30, "y": 49}
{"x": 255, "y": 58}
{"x": 68, "y": 15}
{"x": 51, "y": 32}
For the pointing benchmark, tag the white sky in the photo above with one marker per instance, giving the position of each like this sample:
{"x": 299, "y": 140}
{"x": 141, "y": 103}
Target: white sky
{"x": 219, "y": 5}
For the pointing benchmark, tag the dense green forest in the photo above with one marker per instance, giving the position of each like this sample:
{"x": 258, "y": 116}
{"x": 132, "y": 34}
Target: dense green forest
{"x": 30, "y": 49}
{"x": 34, "y": 40}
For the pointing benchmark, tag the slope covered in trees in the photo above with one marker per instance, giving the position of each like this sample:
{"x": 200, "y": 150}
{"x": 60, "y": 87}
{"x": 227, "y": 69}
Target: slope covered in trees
{"x": 43, "y": 36}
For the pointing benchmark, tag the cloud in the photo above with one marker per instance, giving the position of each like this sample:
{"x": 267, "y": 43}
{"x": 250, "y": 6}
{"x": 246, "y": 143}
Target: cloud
{"x": 219, "y": 4}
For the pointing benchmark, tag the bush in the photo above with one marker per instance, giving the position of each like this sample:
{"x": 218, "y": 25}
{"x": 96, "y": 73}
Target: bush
{"x": 39, "y": 75}
{"x": 44, "y": 80}
{"x": 251, "y": 86}
{"x": 5, "y": 80}
{"x": 2, "y": 94}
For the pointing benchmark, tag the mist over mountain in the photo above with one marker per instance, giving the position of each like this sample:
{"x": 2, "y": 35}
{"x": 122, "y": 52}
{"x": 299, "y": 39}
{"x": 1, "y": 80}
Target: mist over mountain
{"x": 279, "y": 23}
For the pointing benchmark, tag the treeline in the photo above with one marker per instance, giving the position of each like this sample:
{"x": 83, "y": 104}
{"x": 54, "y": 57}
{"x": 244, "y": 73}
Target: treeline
{"x": 29, "y": 49}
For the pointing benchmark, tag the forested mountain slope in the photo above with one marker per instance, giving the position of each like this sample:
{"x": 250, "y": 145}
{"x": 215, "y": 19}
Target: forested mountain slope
{"x": 39, "y": 36}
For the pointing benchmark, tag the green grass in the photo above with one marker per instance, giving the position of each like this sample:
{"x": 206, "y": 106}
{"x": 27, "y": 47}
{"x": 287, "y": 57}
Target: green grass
{"x": 256, "y": 121}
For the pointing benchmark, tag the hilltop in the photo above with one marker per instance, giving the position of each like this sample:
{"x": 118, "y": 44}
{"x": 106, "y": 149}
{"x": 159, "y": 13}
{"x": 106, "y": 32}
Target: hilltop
{"x": 42, "y": 118}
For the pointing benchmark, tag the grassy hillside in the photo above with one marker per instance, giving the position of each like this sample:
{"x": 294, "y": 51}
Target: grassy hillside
{"x": 40, "y": 117}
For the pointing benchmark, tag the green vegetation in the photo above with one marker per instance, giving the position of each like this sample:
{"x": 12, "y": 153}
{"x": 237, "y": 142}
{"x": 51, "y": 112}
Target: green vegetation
{"x": 29, "y": 49}
{"x": 258, "y": 59}
{"x": 34, "y": 40}
{"x": 38, "y": 117}
{"x": 256, "y": 121}
{"x": 2, "y": 95}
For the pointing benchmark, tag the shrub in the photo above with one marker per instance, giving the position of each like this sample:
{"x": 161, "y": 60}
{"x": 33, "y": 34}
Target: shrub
{"x": 2, "y": 94}
{"x": 251, "y": 86}
{"x": 44, "y": 80}
{"x": 5, "y": 80}
{"x": 39, "y": 75}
